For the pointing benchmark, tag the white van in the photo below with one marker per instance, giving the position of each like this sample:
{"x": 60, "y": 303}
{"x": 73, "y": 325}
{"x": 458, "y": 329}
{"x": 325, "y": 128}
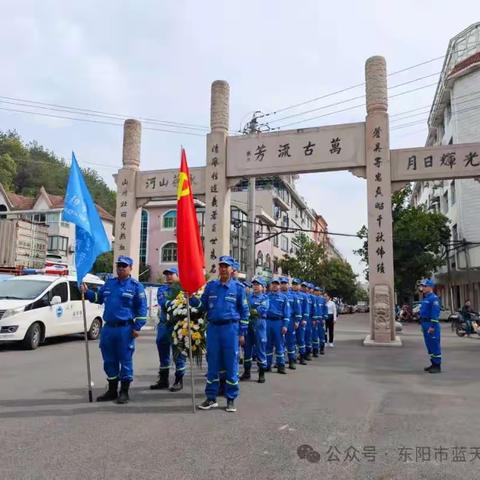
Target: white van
{"x": 36, "y": 307}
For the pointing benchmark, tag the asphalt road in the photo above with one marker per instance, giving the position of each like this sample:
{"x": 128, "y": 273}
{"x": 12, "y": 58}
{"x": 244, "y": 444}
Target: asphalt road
{"x": 363, "y": 412}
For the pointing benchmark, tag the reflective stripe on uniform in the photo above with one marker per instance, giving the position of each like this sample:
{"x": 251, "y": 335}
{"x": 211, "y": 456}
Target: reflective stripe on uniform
{"x": 231, "y": 383}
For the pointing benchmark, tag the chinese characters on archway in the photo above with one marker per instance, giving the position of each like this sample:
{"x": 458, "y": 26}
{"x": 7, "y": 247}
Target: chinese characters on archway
{"x": 164, "y": 183}
{"x": 211, "y": 248}
{"x": 287, "y": 150}
{"x": 379, "y": 205}
{"x": 449, "y": 161}
{"x": 123, "y": 213}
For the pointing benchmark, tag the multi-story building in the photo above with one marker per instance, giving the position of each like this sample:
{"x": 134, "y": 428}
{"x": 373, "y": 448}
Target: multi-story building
{"x": 278, "y": 204}
{"x": 455, "y": 118}
{"x": 47, "y": 208}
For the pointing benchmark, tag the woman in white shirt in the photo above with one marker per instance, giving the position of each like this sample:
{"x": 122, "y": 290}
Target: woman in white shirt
{"x": 332, "y": 318}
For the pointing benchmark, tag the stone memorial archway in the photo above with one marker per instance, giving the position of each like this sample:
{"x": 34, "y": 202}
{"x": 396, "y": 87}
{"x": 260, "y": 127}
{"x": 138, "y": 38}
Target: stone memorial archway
{"x": 362, "y": 148}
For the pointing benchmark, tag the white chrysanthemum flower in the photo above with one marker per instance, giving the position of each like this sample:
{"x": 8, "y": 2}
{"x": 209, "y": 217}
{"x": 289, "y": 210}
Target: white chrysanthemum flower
{"x": 197, "y": 342}
{"x": 200, "y": 321}
{"x": 175, "y": 341}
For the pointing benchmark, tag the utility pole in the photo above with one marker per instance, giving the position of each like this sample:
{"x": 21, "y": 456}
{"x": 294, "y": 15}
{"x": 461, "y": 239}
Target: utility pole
{"x": 251, "y": 127}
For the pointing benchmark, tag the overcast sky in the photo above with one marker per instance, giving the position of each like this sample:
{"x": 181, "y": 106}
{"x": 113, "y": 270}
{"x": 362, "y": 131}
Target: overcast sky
{"x": 157, "y": 59}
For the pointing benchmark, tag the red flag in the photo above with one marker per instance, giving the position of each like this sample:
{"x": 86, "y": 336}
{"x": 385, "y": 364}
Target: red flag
{"x": 189, "y": 244}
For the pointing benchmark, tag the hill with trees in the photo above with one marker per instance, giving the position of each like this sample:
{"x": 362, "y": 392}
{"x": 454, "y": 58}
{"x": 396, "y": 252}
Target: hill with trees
{"x": 25, "y": 167}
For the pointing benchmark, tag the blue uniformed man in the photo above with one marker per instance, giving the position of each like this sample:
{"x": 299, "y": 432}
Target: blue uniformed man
{"x": 307, "y": 309}
{"x": 257, "y": 331}
{"x": 293, "y": 324}
{"x": 300, "y": 331}
{"x": 166, "y": 293}
{"x": 125, "y": 314}
{"x": 226, "y": 307}
{"x": 278, "y": 317}
{"x": 429, "y": 315}
{"x": 319, "y": 347}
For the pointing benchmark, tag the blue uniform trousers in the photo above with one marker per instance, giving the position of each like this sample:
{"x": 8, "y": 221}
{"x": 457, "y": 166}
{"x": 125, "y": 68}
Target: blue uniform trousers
{"x": 308, "y": 336}
{"x": 300, "y": 334}
{"x": 291, "y": 342}
{"x": 432, "y": 341}
{"x": 164, "y": 347}
{"x": 117, "y": 346}
{"x": 256, "y": 339}
{"x": 318, "y": 336}
{"x": 222, "y": 351}
{"x": 275, "y": 340}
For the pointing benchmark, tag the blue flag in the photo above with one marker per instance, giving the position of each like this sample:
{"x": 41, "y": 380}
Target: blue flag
{"x": 90, "y": 237}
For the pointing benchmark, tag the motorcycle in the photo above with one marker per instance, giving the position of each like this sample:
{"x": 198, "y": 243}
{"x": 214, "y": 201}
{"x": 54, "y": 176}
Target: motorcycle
{"x": 462, "y": 326}
{"x": 406, "y": 314}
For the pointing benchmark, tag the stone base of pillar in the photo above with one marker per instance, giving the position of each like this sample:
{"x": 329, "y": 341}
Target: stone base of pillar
{"x": 368, "y": 342}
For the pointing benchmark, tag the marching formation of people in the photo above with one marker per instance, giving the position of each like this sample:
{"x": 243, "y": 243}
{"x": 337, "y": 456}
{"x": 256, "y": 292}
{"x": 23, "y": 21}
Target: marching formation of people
{"x": 278, "y": 326}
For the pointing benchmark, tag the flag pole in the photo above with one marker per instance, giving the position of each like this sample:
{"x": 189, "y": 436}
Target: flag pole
{"x": 87, "y": 352}
{"x": 190, "y": 356}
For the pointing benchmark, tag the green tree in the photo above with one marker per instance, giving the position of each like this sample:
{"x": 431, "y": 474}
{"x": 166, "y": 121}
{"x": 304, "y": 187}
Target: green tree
{"x": 418, "y": 239}
{"x": 311, "y": 263}
{"x": 8, "y": 171}
{"x": 35, "y": 166}
{"x": 103, "y": 263}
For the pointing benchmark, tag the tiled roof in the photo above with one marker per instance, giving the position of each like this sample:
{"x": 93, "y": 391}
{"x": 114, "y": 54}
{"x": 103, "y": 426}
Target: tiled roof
{"x": 20, "y": 202}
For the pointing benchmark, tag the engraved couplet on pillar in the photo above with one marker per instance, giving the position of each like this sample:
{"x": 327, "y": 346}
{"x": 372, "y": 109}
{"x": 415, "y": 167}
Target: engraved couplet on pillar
{"x": 217, "y": 192}
{"x": 127, "y": 219}
{"x": 380, "y": 245}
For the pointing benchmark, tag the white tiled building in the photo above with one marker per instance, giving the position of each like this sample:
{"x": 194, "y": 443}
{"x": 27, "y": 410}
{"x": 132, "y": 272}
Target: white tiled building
{"x": 455, "y": 118}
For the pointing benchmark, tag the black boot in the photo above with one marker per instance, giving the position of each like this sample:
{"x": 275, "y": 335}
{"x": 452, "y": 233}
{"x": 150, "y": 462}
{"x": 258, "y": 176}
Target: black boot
{"x": 302, "y": 360}
{"x": 178, "y": 385}
{"x": 291, "y": 365}
{"x": 315, "y": 354}
{"x": 427, "y": 369}
{"x": 261, "y": 375}
{"x": 162, "y": 383}
{"x": 111, "y": 393}
{"x": 308, "y": 357}
{"x": 281, "y": 369}
{"x": 221, "y": 387}
{"x": 322, "y": 351}
{"x": 124, "y": 387}
{"x": 435, "y": 369}
{"x": 245, "y": 374}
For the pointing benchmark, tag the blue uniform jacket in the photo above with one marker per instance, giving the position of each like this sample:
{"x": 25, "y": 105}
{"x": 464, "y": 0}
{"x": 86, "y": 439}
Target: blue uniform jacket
{"x": 259, "y": 301}
{"x": 306, "y": 304}
{"x": 124, "y": 300}
{"x": 295, "y": 307}
{"x": 278, "y": 308}
{"x": 322, "y": 307}
{"x": 297, "y": 316}
{"x": 224, "y": 301}
{"x": 164, "y": 294}
{"x": 430, "y": 308}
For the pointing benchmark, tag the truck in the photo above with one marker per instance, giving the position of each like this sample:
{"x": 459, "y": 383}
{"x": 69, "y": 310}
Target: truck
{"x": 23, "y": 244}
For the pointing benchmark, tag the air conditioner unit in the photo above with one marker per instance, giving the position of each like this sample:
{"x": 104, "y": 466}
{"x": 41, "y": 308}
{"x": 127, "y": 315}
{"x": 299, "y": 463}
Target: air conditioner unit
{"x": 71, "y": 249}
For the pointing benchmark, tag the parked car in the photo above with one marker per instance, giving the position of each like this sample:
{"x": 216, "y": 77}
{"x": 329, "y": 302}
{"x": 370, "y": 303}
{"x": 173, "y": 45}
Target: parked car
{"x": 36, "y": 307}
{"x": 362, "y": 308}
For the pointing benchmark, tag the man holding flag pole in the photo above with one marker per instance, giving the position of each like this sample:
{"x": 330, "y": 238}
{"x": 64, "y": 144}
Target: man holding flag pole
{"x": 90, "y": 237}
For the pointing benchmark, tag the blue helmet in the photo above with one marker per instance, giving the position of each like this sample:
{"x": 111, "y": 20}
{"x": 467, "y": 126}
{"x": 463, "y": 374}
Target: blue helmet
{"x": 259, "y": 280}
{"x": 427, "y": 282}
{"x": 124, "y": 259}
{"x": 227, "y": 260}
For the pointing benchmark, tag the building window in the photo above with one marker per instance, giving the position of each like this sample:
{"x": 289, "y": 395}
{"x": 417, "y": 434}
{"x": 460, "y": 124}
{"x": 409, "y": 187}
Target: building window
{"x": 170, "y": 220}
{"x": 453, "y": 193}
{"x": 275, "y": 241}
{"x": 455, "y": 233}
{"x": 169, "y": 253}
{"x": 284, "y": 243}
{"x": 259, "y": 259}
{"x": 238, "y": 236}
{"x": 201, "y": 221}
{"x": 445, "y": 202}
{"x": 268, "y": 261}
{"x": 3, "y": 208}
{"x": 143, "y": 237}
{"x": 275, "y": 265}
{"x": 57, "y": 243}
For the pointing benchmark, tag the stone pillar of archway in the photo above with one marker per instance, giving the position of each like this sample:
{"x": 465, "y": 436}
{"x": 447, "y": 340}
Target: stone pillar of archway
{"x": 217, "y": 195}
{"x": 379, "y": 191}
{"x": 128, "y": 215}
